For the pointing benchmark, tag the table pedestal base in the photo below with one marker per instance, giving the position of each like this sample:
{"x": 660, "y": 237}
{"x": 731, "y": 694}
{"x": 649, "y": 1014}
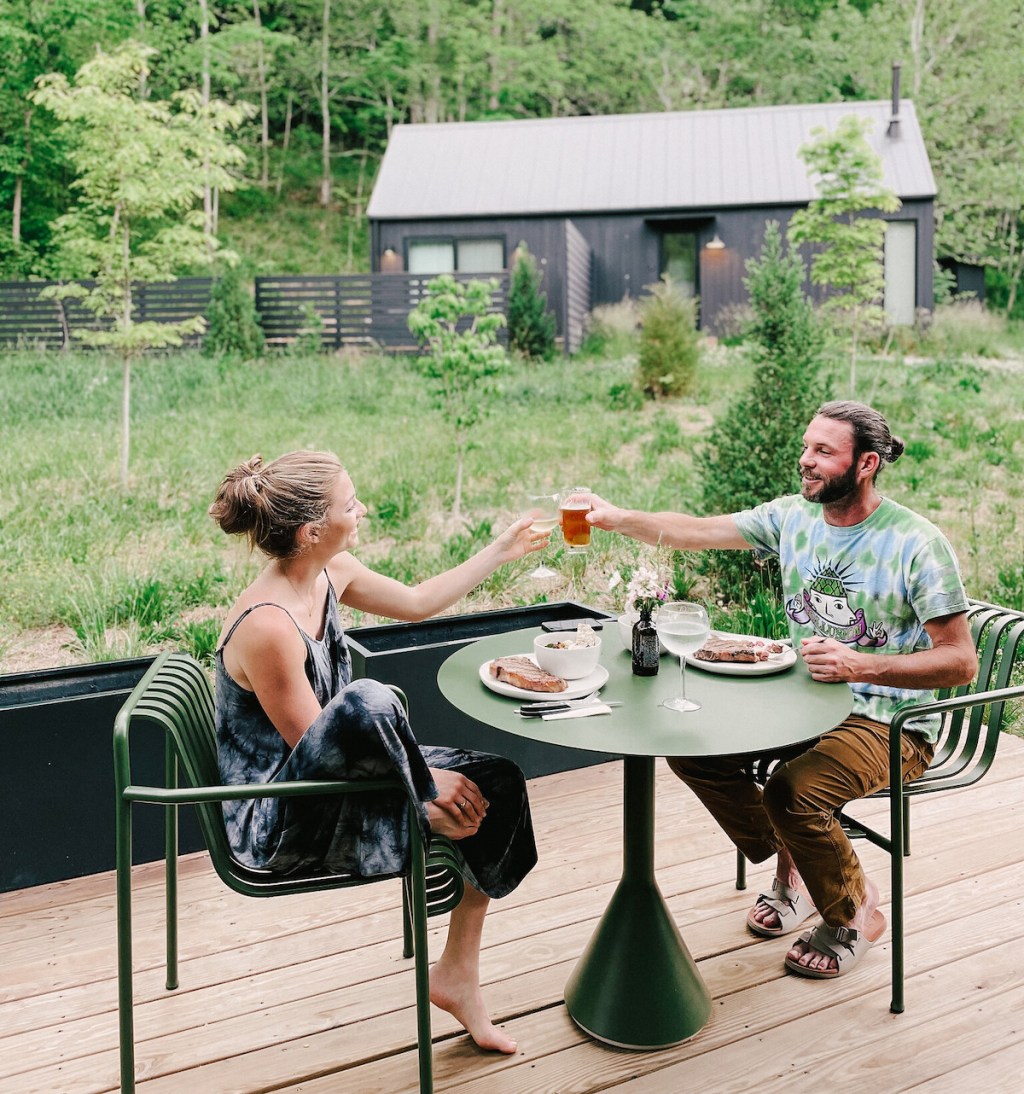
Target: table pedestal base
{"x": 636, "y": 985}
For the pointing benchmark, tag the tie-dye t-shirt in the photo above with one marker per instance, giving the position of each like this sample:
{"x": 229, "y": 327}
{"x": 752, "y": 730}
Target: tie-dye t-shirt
{"x": 872, "y": 585}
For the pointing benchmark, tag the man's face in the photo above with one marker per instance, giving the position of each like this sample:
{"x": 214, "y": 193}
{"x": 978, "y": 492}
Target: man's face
{"x": 828, "y": 467}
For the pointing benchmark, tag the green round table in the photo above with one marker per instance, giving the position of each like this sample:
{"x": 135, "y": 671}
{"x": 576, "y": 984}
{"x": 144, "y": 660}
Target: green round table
{"x": 636, "y": 985}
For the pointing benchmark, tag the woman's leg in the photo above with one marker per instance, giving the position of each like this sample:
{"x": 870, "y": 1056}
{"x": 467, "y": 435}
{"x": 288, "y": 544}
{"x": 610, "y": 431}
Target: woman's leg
{"x": 455, "y": 979}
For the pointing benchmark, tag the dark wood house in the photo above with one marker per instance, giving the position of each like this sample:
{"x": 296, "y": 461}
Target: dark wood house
{"x": 608, "y": 204}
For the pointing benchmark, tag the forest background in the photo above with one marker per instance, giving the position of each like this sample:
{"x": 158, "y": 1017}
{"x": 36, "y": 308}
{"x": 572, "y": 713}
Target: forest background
{"x": 328, "y": 79}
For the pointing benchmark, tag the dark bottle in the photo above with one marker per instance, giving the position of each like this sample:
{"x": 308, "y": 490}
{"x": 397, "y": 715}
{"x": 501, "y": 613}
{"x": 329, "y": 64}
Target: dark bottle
{"x": 646, "y": 651}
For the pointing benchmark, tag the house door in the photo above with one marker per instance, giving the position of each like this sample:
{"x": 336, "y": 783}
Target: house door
{"x": 679, "y": 260}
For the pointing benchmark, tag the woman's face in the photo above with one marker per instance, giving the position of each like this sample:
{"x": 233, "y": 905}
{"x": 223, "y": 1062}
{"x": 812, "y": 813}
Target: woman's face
{"x": 341, "y": 524}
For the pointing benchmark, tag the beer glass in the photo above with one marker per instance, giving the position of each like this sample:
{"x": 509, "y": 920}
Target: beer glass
{"x": 573, "y": 509}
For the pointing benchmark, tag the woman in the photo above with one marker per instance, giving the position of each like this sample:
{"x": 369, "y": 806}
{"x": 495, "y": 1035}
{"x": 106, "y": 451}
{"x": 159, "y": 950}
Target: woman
{"x": 287, "y": 708}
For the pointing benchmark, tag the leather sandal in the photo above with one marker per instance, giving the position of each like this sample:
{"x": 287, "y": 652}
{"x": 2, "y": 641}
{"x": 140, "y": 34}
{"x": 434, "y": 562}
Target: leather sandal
{"x": 790, "y": 905}
{"x": 846, "y": 945}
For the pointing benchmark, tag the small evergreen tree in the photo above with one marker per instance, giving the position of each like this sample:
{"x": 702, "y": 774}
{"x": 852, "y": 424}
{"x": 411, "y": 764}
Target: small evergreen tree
{"x": 233, "y": 328}
{"x": 753, "y": 451}
{"x": 531, "y": 325}
{"x": 669, "y": 353}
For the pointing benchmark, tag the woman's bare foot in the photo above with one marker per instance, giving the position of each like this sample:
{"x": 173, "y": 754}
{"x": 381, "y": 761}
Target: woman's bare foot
{"x": 868, "y": 920}
{"x": 464, "y": 1001}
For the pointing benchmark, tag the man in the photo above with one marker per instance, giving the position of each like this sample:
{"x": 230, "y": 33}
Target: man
{"x": 874, "y": 598}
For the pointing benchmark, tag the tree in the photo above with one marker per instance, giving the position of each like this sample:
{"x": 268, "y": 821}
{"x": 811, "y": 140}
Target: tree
{"x": 752, "y": 451}
{"x": 669, "y": 352}
{"x": 459, "y": 362}
{"x": 850, "y": 264}
{"x": 531, "y": 324}
{"x": 141, "y": 166}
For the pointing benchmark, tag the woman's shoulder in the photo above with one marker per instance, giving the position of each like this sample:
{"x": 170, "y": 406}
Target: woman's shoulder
{"x": 258, "y": 618}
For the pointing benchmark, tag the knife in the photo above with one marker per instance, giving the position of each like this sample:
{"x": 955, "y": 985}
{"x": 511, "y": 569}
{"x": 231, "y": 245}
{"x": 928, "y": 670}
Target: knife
{"x": 542, "y": 710}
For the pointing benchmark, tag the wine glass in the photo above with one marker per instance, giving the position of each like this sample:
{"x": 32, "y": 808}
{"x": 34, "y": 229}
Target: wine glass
{"x": 682, "y": 628}
{"x": 543, "y": 509}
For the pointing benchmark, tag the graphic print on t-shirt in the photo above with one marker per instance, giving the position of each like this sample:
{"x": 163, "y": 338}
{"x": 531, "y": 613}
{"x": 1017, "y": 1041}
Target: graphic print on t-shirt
{"x": 824, "y": 603}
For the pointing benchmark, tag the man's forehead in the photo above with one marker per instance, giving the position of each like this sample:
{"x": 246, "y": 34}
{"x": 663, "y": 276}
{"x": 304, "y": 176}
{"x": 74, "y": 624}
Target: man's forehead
{"x": 830, "y": 432}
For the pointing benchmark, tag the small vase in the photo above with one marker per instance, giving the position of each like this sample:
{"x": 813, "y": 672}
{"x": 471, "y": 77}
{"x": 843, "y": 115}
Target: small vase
{"x": 646, "y": 651}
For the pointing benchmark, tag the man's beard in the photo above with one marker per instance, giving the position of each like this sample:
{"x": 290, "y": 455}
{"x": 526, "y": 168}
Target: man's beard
{"x": 832, "y": 490}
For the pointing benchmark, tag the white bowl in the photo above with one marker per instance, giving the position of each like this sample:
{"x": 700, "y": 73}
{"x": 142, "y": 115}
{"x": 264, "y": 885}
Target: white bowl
{"x": 625, "y": 627}
{"x": 570, "y": 664}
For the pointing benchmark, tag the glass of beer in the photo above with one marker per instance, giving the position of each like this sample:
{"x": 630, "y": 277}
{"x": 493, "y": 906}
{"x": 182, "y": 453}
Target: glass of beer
{"x": 573, "y": 509}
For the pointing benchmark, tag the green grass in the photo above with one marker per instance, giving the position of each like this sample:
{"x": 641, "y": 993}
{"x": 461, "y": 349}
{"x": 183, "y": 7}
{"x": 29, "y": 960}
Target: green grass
{"x": 133, "y": 570}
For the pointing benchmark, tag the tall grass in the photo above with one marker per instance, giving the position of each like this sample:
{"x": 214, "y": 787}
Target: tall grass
{"x": 131, "y": 570}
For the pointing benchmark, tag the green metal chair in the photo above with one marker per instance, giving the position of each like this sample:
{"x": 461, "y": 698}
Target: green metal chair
{"x": 175, "y": 697}
{"x": 972, "y": 718}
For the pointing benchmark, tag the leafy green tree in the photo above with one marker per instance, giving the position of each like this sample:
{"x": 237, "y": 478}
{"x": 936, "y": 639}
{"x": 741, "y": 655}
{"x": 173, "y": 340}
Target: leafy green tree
{"x": 455, "y": 325}
{"x": 752, "y": 451}
{"x": 140, "y": 166}
{"x": 669, "y": 353}
{"x": 233, "y": 326}
{"x": 531, "y": 324}
{"x": 848, "y": 174}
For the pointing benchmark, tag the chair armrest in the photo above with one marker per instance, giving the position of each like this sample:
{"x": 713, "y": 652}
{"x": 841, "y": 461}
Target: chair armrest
{"x": 958, "y": 702}
{"x": 189, "y": 795}
{"x": 937, "y": 706}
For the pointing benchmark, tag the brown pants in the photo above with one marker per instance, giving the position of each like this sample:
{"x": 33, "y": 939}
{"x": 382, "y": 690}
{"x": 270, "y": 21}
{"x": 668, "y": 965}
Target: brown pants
{"x": 798, "y": 805}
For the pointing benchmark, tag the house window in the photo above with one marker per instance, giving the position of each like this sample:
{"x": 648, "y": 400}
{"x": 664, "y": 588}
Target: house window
{"x": 437, "y": 256}
{"x": 429, "y": 256}
{"x": 900, "y": 272}
{"x": 679, "y": 260}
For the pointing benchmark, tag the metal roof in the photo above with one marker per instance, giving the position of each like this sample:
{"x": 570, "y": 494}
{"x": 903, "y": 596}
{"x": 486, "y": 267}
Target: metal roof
{"x": 701, "y": 159}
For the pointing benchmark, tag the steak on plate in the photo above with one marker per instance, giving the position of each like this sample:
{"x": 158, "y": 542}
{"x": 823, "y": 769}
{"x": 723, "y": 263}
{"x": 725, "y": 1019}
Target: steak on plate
{"x": 521, "y": 672}
{"x": 746, "y": 651}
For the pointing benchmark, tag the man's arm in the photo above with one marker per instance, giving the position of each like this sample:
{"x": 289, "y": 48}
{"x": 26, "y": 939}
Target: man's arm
{"x": 952, "y": 659}
{"x": 677, "y": 530}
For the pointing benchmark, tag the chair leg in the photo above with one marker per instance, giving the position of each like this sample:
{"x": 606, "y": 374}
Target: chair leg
{"x": 417, "y": 871}
{"x": 897, "y": 804}
{"x": 741, "y": 870}
{"x": 171, "y": 868}
{"x": 125, "y": 1001}
{"x": 906, "y": 826}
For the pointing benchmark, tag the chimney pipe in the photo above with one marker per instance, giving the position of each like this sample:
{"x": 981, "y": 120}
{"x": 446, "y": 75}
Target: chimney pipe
{"x": 894, "y": 120}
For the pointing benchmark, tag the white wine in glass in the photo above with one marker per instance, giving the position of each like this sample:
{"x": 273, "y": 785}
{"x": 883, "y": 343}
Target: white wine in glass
{"x": 543, "y": 509}
{"x": 682, "y": 628}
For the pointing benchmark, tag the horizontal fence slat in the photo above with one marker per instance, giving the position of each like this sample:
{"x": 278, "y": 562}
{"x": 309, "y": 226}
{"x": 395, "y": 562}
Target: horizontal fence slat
{"x": 345, "y": 309}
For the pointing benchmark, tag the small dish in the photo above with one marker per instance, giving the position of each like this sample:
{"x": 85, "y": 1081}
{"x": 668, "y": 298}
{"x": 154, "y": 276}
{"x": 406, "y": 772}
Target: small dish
{"x": 572, "y": 662}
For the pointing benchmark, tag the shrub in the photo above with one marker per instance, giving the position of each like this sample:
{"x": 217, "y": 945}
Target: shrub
{"x": 531, "y": 325}
{"x": 234, "y": 327}
{"x": 612, "y": 329}
{"x": 669, "y": 349}
{"x": 752, "y": 452}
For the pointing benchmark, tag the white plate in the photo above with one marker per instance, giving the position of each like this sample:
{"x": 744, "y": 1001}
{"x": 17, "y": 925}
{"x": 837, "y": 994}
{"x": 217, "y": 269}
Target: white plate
{"x": 777, "y": 662}
{"x": 597, "y": 679}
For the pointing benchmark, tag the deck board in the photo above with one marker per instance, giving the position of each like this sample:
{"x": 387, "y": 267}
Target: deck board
{"x": 310, "y": 994}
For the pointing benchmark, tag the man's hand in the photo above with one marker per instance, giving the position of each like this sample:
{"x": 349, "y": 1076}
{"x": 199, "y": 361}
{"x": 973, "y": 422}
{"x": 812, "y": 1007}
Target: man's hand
{"x": 827, "y": 660}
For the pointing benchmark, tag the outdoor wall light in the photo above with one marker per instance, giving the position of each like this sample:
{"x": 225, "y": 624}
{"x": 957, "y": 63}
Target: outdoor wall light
{"x": 390, "y": 260}
{"x": 715, "y": 244}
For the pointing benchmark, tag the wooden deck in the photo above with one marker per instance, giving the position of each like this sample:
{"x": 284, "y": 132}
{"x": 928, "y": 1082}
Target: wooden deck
{"x": 311, "y": 993}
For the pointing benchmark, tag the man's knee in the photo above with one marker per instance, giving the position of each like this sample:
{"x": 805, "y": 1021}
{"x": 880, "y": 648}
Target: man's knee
{"x": 784, "y": 794}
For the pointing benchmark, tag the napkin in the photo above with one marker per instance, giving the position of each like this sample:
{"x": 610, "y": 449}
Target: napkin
{"x": 578, "y": 712}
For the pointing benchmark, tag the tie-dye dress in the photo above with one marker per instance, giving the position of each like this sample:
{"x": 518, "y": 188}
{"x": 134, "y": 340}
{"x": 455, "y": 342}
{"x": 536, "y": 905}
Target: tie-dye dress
{"x": 361, "y": 732}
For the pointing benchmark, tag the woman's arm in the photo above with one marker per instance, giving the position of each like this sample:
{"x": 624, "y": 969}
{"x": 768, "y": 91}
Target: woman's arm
{"x": 361, "y": 588}
{"x": 267, "y": 656}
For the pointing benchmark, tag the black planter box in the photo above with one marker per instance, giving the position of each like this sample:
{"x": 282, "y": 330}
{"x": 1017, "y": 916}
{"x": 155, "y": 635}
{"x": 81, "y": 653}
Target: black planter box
{"x": 409, "y": 655}
{"x": 57, "y": 800}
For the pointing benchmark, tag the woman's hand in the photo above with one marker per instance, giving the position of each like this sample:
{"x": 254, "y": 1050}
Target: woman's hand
{"x": 517, "y": 540}
{"x": 459, "y": 807}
